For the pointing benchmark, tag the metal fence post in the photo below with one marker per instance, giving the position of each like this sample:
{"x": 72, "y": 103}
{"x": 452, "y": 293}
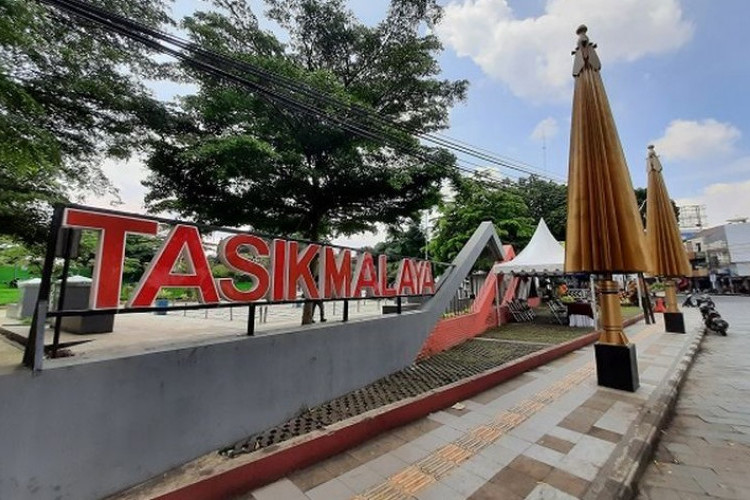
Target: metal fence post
{"x": 251, "y": 320}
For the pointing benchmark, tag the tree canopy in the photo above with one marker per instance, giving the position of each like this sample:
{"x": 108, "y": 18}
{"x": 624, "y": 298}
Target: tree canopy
{"x": 243, "y": 160}
{"x": 476, "y": 201}
{"x": 546, "y": 200}
{"x": 69, "y": 95}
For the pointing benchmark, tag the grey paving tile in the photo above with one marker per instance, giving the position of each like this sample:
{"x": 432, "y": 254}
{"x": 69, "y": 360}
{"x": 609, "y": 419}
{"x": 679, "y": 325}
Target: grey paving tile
{"x": 546, "y": 492}
{"x": 283, "y": 489}
{"x": 446, "y": 433}
{"x": 387, "y": 464}
{"x": 565, "y": 434}
{"x": 514, "y": 443}
{"x": 332, "y": 490}
{"x": 463, "y": 481}
{"x": 578, "y": 467}
{"x": 593, "y": 450}
{"x": 484, "y": 466}
{"x": 618, "y": 418}
{"x": 438, "y": 491}
{"x": 544, "y": 455}
{"x": 361, "y": 478}
{"x": 410, "y": 453}
{"x": 499, "y": 453}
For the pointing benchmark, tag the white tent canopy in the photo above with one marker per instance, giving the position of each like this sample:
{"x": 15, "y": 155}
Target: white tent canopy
{"x": 543, "y": 255}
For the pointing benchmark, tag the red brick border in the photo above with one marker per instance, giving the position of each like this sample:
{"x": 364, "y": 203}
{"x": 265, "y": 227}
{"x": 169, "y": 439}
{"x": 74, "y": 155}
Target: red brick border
{"x": 274, "y": 463}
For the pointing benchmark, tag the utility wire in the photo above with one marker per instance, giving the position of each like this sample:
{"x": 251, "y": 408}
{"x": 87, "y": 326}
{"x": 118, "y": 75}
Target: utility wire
{"x": 206, "y": 60}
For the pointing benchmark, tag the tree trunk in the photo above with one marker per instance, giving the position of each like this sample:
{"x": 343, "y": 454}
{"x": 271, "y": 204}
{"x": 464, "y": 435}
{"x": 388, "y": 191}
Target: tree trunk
{"x": 308, "y": 308}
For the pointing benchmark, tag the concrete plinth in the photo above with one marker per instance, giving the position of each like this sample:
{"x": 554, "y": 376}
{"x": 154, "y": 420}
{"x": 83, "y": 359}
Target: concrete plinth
{"x": 616, "y": 366}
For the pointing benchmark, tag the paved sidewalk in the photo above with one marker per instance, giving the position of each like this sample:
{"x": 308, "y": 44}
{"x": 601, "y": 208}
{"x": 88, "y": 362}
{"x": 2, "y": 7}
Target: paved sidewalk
{"x": 549, "y": 433}
{"x": 706, "y": 449}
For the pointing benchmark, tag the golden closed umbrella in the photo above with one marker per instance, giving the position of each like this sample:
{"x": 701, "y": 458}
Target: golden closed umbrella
{"x": 668, "y": 256}
{"x": 604, "y": 232}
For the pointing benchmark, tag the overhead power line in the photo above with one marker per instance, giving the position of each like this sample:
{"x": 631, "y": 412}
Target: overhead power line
{"x": 376, "y": 128}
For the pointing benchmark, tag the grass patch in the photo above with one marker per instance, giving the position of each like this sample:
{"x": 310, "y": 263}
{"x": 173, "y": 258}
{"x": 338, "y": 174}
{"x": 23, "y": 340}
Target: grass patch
{"x": 545, "y": 329}
{"x": 630, "y": 311}
{"x": 543, "y": 333}
{"x": 8, "y": 295}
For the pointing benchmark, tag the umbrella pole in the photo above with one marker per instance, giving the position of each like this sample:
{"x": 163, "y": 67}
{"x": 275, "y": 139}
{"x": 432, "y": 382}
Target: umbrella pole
{"x": 611, "y": 313}
{"x": 616, "y": 364}
{"x": 674, "y": 322}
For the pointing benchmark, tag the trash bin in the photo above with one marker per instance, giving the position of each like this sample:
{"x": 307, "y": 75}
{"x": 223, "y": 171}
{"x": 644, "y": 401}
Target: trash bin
{"x": 28, "y": 294}
{"x": 77, "y": 292}
{"x": 162, "y": 304}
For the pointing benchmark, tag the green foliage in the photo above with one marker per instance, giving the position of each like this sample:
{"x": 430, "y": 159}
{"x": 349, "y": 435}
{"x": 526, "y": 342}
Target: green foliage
{"x": 546, "y": 200}
{"x": 238, "y": 159}
{"x": 641, "y": 195}
{"x": 475, "y": 201}
{"x": 69, "y": 96}
{"x": 403, "y": 240}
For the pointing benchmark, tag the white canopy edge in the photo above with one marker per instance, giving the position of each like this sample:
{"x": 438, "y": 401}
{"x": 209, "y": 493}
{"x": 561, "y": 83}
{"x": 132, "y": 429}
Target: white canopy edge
{"x": 543, "y": 255}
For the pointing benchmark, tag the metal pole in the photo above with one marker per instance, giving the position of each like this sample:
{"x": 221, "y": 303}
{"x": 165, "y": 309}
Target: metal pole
{"x": 497, "y": 298}
{"x": 346, "y": 310}
{"x": 67, "y": 242}
{"x": 398, "y": 305}
{"x": 34, "y": 351}
{"x": 593, "y": 301}
{"x": 251, "y": 320}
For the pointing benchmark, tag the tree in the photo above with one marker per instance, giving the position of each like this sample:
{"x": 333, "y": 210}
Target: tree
{"x": 69, "y": 96}
{"x": 640, "y": 198}
{"x": 546, "y": 200}
{"x": 248, "y": 161}
{"x": 476, "y": 201}
{"x": 403, "y": 240}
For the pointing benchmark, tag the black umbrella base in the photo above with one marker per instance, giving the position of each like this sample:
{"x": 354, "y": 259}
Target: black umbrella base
{"x": 616, "y": 366}
{"x": 674, "y": 322}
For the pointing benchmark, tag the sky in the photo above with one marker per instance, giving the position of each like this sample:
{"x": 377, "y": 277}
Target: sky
{"x": 675, "y": 72}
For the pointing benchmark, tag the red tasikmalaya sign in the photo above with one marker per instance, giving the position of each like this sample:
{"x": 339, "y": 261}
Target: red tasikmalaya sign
{"x": 340, "y": 273}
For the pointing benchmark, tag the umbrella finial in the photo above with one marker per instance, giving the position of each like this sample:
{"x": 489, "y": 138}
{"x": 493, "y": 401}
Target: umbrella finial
{"x": 653, "y": 162}
{"x": 585, "y": 53}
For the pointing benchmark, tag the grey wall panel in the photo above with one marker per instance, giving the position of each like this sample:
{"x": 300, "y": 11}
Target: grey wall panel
{"x": 86, "y": 429}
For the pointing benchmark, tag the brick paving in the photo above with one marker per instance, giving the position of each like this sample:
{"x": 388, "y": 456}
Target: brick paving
{"x": 549, "y": 433}
{"x": 705, "y": 451}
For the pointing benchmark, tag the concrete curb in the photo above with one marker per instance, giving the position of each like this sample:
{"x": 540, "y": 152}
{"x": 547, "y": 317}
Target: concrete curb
{"x": 627, "y": 467}
{"x": 275, "y": 462}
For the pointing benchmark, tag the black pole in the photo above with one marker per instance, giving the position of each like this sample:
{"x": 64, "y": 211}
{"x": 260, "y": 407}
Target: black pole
{"x": 398, "y": 305}
{"x": 35, "y": 337}
{"x": 68, "y": 243}
{"x": 346, "y": 310}
{"x": 251, "y": 320}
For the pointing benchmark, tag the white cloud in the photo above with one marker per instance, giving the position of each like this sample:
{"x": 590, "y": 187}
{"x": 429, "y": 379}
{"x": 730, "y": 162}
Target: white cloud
{"x": 545, "y": 129}
{"x": 532, "y": 55}
{"x": 696, "y": 140}
{"x": 723, "y": 201}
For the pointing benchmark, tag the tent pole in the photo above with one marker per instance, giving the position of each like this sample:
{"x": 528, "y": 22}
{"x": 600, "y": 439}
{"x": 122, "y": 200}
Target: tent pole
{"x": 497, "y": 296}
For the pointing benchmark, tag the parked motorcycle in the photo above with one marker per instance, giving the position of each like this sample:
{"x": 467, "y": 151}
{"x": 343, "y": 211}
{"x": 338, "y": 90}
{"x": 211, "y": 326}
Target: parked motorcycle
{"x": 691, "y": 300}
{"x": 712, "y": 320}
